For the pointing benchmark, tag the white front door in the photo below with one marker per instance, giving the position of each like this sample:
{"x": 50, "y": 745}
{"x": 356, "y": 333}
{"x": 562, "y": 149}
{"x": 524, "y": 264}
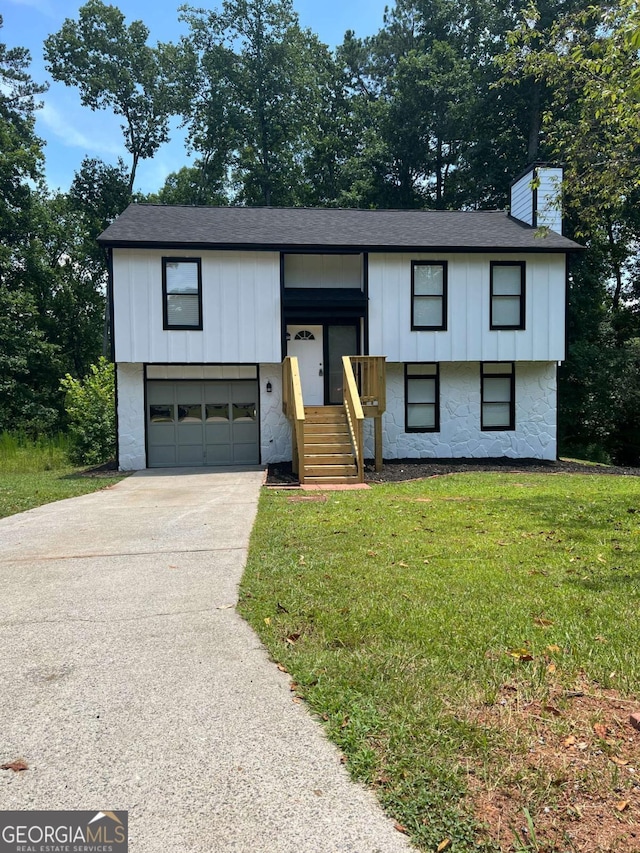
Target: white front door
{"x": 305, "y": 343}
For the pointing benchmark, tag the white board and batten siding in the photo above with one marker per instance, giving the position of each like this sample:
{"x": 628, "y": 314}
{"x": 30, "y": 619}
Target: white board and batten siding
{"x": 542, "y": 206}
{"x": 468, "y": 336}
{"x": 240, "y": 307}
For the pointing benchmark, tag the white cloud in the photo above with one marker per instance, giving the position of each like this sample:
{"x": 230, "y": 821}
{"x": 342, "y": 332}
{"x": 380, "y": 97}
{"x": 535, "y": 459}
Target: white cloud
{"x": 71, "y": 137}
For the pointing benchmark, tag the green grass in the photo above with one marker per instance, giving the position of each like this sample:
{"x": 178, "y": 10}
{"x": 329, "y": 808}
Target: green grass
{"x": 33, "y": 473}
{"x": 395, "y": 610}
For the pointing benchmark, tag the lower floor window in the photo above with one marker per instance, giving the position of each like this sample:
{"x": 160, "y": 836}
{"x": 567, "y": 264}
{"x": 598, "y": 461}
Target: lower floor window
{"x": 498, "y": 396}
{"x": 422, "y": 398}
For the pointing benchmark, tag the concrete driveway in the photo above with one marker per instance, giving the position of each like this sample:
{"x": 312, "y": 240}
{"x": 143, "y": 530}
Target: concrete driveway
{"x": 129, "y": 682}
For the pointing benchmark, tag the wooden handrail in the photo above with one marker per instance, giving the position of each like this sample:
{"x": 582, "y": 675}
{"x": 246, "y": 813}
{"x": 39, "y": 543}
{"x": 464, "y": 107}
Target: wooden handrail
{"x": 293, "y": 408}
{"x": 371, "y": 377}
{"x": 370, "y": 371}
{"x": 355, "y": 415}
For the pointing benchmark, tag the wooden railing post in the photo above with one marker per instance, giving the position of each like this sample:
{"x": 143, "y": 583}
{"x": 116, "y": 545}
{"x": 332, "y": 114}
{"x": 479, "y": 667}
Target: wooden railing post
{"x": 293, "y": 408}
{"x": 371, "y": 371}
{"x": 354, "y": 413}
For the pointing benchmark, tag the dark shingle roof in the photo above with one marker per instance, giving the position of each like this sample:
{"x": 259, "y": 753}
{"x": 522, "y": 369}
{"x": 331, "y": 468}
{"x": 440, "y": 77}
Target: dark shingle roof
{"x": 145, "y": 225}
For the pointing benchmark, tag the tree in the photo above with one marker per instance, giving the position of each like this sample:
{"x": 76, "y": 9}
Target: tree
{"x": 248, "y": 80}
{"x": 114, "y": 68}
{"x": 588, "y": 64}
{"x": 192, "y": 185}
{"x": 90, "y": 405}
{"x": 28, "y": 362}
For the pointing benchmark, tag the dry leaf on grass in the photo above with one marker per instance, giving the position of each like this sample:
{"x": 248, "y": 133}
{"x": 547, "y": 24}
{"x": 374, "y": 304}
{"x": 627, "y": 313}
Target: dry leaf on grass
{"x": 16, "y": 765}
{"x": 520, "y": 654}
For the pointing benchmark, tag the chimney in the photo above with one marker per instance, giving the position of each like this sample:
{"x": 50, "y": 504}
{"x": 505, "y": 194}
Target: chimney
{"x": 535, "y": 197}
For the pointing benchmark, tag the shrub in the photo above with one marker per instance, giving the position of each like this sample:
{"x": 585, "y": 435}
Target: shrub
{"x": 90, "y": 406}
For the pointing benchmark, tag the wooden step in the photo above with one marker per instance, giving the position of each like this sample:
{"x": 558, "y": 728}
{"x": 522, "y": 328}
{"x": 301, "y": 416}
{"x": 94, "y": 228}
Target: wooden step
{"x": 325, "y": 429}
{"x": 324, "y": 417}
{"x": 323, "y": 447}
{"x": 329, "y": 481}
{"x": 318, "y": 410}
{"x": 329, "y": 471}
{"x": 328, "y": 459}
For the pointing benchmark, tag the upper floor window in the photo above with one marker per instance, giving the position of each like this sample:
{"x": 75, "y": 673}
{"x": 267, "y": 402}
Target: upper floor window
{"x": 507, "y": 294}
{"x": 429, "y": 296}
{"x": 422, "y": 398}
{"x": 498, "y": 396}
{"x": 182, "y": 293}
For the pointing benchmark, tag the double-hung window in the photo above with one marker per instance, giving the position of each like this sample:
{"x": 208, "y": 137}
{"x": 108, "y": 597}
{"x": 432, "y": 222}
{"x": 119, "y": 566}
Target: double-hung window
{"x": 498, "y": 396}
{"x": 429, "y": 296}
{"x": 507, "y": 294}
{"x": 422, "y": 398}
{"x": 182, "y": 293}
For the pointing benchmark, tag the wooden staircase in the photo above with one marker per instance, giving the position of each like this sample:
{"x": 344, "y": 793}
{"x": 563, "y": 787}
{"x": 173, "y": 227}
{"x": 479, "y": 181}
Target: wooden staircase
{"x": 328, "y": 455}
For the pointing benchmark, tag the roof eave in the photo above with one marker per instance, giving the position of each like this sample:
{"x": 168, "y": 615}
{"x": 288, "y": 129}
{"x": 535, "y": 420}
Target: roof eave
{"x": 331, "y": 247}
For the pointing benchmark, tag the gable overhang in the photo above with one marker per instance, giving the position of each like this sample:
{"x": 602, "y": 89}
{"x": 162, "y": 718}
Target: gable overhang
{"x": 340, "y": 249}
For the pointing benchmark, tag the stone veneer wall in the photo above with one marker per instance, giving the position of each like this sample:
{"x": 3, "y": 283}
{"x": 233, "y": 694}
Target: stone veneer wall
{"x": 131, "y": 417}
{"x": 460, "y": 435}
{"x": 275, "y": 431}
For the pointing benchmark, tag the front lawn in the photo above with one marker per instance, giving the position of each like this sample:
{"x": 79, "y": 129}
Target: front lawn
{"x": 471, "y": 643}
{"x": 36, "y": 473}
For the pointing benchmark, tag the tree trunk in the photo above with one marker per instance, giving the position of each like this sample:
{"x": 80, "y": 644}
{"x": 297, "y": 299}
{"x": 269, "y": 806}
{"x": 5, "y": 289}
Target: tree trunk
{"x": 533, "y": 145}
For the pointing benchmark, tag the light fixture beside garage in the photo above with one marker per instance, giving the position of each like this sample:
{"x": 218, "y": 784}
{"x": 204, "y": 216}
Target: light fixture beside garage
{"x": 269, "y": 387}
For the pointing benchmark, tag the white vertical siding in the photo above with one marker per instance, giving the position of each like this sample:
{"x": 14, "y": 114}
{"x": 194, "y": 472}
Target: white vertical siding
{"x": 240, "y": 304}
{"x": 522, "y": 198}
{"x": 468, "y": 336}
{"x": 540, "y": 207}
{"x": 549, "y": 211}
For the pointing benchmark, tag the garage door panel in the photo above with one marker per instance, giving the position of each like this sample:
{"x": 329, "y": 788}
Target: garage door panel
{"x": 245, "y": 433}
{"x": 218, "y": 433}
{"x": 216, "y": 392}
{"x": 219, "y": 454}
{"x": 202, "y": 423}
{"x": 163, "y": 456}
{"x": 189, "y": 434}
{"x": 192, "y": 455}
{"x": 244, "y": 454}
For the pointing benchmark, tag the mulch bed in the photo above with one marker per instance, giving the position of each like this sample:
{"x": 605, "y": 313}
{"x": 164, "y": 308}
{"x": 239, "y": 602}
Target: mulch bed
{"x": 398, "y": 470}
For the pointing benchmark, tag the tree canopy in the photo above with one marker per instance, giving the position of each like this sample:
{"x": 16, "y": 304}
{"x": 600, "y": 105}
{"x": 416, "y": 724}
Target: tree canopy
{"x": 438, "y": 109}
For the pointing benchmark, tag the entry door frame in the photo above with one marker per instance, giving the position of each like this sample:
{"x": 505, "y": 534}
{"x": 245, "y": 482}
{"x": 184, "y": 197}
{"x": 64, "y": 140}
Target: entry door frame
{"x": 324, "y": 323}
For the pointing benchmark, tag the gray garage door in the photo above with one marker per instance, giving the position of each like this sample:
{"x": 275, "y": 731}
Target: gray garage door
{"x": 202, "y": 423}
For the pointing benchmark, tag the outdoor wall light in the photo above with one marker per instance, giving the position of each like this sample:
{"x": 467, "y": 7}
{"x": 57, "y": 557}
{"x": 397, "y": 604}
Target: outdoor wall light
{"x": 269, "y": 387}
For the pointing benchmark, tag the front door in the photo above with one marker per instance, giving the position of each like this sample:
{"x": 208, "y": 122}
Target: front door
{"x": 341, "y": 340}
{"x": 306, "y": 344}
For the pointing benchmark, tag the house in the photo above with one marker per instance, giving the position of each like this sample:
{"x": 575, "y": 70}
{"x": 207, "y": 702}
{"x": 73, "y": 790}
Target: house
{"x": 324, "y": 336}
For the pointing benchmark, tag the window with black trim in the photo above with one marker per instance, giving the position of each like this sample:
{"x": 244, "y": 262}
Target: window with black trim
{"x": 507, "y": 294}
{"x": 422, "y": 398}
{"x": 429, "y": 296}
{"x": 182, "y": 293}
{"x": 498, "y": 381}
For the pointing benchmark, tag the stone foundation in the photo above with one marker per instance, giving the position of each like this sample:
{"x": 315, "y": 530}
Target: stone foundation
{"x": 460, "y": 436}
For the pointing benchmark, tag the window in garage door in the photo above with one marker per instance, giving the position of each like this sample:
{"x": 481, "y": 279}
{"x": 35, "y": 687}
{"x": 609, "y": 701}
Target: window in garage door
{"x": 202, "y": 423}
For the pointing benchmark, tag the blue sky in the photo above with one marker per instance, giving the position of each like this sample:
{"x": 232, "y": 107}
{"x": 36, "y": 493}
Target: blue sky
{"x": 72, "y": 132}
